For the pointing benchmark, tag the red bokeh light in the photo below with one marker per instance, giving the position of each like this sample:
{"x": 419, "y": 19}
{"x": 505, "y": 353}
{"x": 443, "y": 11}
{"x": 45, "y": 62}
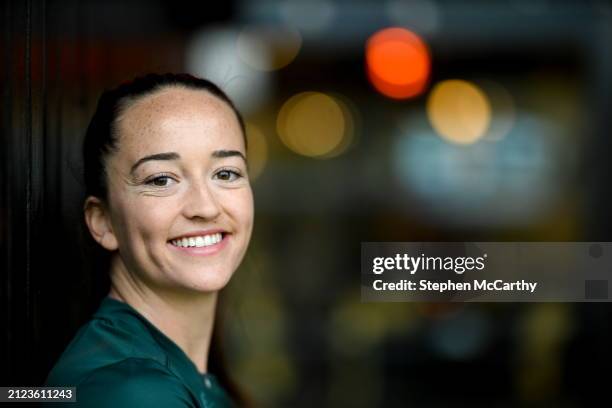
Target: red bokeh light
{"x": 398, "y": 63}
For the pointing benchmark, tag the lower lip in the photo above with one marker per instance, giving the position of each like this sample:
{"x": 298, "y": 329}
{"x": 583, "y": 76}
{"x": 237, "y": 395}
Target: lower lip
{"x": 205, "y": 250}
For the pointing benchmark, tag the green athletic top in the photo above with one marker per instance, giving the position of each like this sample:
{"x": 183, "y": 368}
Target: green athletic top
{"x": 119, "y": 359}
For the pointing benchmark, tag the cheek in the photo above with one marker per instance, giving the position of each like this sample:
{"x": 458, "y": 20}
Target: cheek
{"x": 147, "y": 219}
{"x": 244, "y": 208}
{"x": 239, "y": 204}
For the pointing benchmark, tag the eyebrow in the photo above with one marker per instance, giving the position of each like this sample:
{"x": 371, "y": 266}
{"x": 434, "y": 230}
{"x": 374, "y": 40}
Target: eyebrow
{"x": 175, "y": 156}
{"x": 219, "y": 154}
{"x": 157, "y": 156}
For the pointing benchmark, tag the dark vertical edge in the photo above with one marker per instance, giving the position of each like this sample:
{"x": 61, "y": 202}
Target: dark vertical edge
{"x": 44, "y": 144}
{"x": 29, "y": 149}
{"x": 605, "y": 100}
{"x": 58, "y": 137}
{"x": 4, "y": 199}
{"x": 599, "y": 166}
{"x": 43, "y": 35}
{"x": 82, "y": 21}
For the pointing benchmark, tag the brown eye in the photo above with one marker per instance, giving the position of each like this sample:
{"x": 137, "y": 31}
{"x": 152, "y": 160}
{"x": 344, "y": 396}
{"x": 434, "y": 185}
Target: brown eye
{"x": 161, "y": 181}
{"x": 227, "y": 175}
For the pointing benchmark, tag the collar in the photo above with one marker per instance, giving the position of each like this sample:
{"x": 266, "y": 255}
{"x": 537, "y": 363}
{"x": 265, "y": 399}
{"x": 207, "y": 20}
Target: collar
{"x": 172, "y": 356}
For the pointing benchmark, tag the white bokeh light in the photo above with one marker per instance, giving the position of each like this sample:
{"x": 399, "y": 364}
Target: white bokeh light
{"x": 213, "y": 54}
{"x": 268, "y": 47}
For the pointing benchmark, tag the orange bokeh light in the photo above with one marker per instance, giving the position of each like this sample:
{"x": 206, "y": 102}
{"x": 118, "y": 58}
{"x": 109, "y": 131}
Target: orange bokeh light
{"x": 397, "y": 63}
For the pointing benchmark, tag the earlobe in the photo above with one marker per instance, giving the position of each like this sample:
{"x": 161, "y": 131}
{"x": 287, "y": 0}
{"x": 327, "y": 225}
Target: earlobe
{"x": 98, "y": 223}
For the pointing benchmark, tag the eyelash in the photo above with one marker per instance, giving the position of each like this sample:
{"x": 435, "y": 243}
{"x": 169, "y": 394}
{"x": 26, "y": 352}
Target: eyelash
{"x": 158, "y": 177}
{"x": 237, "y": 174}
{"x": 150, "y": 181}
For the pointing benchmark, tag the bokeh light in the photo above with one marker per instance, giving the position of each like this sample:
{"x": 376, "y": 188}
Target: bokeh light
{"x": 478, "y": 184}
{"x": 257, "y": 151}
{"x": 459, "y": 111}
{"x": 398, "y": 63}
{"x": 268, "y": 48}
{"x": 521, "y": 156}
{"x": 503, "y": 110}
{"x": 314, "y": 124}
{"x": 212, "y": 53}
{"x": 351, "y": 124}
{"x": 462, "y": 335}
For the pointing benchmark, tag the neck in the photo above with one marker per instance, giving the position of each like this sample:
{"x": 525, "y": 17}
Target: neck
{"x": 185, "y": 317}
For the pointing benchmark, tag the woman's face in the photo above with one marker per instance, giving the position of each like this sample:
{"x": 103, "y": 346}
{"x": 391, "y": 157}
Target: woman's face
{"x": 181, "y": 206}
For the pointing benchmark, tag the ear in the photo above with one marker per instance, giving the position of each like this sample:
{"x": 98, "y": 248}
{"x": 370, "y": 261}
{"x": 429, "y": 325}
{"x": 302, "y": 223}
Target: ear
{"x": 98, "y": 221}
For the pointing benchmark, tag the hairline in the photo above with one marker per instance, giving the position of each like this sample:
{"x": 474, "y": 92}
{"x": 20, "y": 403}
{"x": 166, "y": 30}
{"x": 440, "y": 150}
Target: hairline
{"x": 126, "y": 102}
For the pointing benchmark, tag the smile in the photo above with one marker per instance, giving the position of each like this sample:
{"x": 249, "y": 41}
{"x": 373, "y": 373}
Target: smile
{"x": 198, "y": 241}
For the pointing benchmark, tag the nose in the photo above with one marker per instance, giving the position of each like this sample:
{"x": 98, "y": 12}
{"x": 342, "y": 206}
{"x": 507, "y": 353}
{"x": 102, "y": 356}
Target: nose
{"x": 201, "y": 201}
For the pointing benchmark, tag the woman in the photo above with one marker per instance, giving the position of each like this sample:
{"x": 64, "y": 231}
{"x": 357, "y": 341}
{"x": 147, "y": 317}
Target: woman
{"x": 168, "y": 196}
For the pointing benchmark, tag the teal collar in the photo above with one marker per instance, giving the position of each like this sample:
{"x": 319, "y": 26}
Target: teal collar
{"x": 164, "y": 350}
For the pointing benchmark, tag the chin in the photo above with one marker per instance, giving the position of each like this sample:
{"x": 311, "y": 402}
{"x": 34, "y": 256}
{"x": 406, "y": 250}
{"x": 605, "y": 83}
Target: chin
{"x": 210, "y": 283}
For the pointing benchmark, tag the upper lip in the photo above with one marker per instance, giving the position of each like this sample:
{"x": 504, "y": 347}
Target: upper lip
{"x": 200, "y": 233}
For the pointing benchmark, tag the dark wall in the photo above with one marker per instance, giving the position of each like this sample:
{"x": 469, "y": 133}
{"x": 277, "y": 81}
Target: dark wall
{"x": 38, "y": 244}
{"x": 57, "y": 56}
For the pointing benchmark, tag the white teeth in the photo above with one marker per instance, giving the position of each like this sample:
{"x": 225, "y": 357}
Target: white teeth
{"x": 199, "y": 241}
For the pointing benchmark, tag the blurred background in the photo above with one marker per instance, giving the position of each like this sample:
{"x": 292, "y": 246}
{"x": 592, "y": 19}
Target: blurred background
{"x": 367, "y": 120}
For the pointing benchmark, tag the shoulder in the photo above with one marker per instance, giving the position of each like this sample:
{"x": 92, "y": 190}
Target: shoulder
{"x": 133, "y": 382}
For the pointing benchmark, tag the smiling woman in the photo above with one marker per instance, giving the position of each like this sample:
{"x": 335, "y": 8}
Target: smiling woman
{"x": 168, "y": 197}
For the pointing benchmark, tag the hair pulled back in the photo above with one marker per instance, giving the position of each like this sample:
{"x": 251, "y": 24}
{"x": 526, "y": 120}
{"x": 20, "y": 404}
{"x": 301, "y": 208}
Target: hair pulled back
{"x": 101, "y": 141}
{"x": 101, "y": 138}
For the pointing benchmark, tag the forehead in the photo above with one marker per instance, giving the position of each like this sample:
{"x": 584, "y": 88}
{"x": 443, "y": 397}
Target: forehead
{"x": 175, "y": 115}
